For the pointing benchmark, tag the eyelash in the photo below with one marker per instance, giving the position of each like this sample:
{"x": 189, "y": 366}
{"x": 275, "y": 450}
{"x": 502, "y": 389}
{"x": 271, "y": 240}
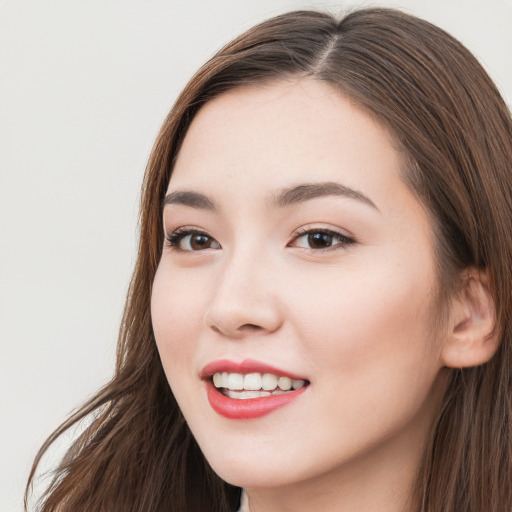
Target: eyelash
{"x": 174, "y": 239}
{"x": 343, "y": 240}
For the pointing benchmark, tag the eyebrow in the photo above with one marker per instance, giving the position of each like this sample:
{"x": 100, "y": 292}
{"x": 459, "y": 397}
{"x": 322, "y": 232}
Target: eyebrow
{"x": 190, "y": 198}
{"x": 287, "y": 197}
{"x": 308, "y": 191}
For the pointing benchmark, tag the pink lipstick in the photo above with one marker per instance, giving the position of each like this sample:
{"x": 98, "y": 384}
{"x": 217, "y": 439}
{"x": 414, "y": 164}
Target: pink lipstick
{"x": 249, "y": 389}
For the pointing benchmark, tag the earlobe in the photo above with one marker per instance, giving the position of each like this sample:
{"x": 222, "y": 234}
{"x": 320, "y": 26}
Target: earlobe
{"x": 472, "y": 337}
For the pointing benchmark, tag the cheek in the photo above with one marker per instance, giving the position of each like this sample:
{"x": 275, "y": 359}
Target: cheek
{"x": 177, "y": 315}
{"x": 377, "y": 321}
{"x": 367, "y": 339}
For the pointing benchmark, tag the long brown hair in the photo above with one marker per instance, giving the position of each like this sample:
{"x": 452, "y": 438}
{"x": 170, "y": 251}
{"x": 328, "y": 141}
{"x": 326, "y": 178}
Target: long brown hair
{"x": 137, "y": 453}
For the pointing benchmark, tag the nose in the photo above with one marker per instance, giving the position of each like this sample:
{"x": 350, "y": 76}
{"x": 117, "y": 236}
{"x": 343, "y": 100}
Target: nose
{"x": 244, "y": 301}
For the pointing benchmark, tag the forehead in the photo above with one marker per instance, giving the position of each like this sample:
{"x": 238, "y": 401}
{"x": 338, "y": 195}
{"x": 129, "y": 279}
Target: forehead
{"x": 266, "y": 137}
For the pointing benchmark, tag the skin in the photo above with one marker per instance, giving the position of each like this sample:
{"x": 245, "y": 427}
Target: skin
{"x": 355, "y": 319}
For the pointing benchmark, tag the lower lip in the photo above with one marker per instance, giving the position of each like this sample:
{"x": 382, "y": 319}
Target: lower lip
{"x": 248, "y": 408}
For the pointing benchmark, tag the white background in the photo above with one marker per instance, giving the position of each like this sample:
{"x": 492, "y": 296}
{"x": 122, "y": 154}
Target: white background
{"x": 84, "y": 87}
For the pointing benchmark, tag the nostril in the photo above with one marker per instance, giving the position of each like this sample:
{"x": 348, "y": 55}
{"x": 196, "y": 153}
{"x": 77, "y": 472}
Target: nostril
{"x": 251, "y": 327}
{"x": 244, "y": 329}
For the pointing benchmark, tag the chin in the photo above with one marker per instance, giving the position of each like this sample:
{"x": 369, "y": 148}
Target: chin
{"x": 258, "y": 468}
{"x": 250, "y": 477}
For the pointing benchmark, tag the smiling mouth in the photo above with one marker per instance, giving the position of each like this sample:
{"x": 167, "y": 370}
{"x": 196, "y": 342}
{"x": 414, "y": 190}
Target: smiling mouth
{"x": 250, "y": 389}
{"x": 241, "y": 386}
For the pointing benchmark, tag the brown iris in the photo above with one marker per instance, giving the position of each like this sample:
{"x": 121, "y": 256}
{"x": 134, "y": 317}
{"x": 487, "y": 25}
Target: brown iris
{"x": 320, "y": 240}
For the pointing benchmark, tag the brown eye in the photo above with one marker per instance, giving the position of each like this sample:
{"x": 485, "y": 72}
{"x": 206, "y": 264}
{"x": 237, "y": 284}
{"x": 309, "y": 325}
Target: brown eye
{"x": 198, "y": 242}
{"x": 319, "y": 240}
{"x": 191, "y": 241}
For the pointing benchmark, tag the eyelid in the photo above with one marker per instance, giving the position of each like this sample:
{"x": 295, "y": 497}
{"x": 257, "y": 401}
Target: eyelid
{"x": 345, "y": 240}
{"x": 174, "y": 238}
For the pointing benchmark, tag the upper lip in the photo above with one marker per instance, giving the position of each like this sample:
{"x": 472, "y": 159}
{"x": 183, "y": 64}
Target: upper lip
{"x": 245, "y": 366}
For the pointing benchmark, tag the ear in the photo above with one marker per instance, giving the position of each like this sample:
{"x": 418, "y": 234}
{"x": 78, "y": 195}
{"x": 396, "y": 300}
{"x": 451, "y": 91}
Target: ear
{"x": 472, "y": 338}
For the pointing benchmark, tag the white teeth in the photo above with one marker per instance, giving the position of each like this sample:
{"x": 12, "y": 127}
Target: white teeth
{"x": 254, "y": 383}
{"x": 235, "y": 381}
{"x": 242, "y": 395}
{"x": 285, "y": 383}
{"x": 268, "y": 381}
{"x": 217, "y": 380}
{"x": 297, "y": 383}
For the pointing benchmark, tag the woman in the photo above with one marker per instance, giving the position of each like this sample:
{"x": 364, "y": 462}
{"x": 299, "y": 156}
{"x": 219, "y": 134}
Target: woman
{"x": 319, "y": 309}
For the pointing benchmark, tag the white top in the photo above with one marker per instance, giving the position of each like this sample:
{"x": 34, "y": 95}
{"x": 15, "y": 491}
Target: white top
{"x": 244, "y": 502}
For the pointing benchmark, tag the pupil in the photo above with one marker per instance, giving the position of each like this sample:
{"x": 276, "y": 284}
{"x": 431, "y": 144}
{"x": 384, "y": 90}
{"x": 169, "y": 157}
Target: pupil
{"x": 199, "y": 241}
{"x": 319, "y": 240}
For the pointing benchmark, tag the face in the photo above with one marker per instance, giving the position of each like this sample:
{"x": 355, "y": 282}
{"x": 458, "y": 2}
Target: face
{"x": 296, "y": 256}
